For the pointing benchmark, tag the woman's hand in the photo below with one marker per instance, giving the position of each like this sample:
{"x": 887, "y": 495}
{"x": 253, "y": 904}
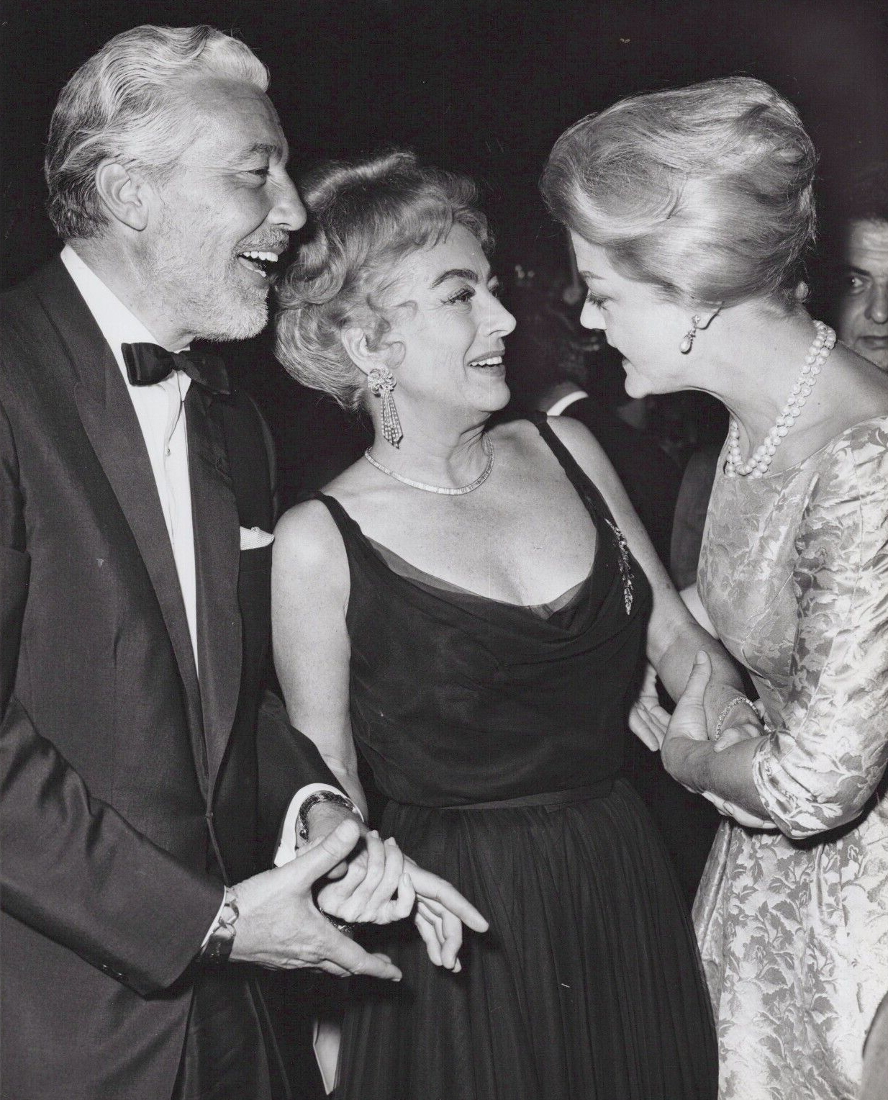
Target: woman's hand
{"x": 382, "y": 885}
{"x": 374, "y": 888}
{"x": 687, "y": 728}
{"x": 441, "y": 912}
{"x": 648, "y": 720}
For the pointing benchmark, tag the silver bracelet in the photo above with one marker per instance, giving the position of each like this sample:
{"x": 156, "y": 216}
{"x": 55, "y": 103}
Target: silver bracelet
{"x": 315, "y": 799}
{"x": 726, "y": 710}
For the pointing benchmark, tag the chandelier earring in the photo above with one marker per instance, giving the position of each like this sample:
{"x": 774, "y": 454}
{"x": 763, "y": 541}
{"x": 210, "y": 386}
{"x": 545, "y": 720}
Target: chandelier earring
{"x": 688, "y": 342}
{"x": 381, "y": 382}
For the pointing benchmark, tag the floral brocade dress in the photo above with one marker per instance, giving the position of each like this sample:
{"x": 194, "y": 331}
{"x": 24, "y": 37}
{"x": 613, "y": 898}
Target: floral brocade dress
{"x": 793, "y": 924}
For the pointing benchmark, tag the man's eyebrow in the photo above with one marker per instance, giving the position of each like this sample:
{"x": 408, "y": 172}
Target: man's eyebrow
{"x": 456, "y": 273}
{"x": 260, "y": 148}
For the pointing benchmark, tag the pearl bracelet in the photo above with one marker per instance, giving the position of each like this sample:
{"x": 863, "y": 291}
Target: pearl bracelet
{"x": 726, "y": 710}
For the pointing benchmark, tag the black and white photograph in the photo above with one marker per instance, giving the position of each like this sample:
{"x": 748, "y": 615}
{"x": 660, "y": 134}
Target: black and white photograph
{"x": 444, "y": 550}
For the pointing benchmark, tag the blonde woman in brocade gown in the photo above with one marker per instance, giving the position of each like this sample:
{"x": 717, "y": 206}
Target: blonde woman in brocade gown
{"x": 689, "y": 212}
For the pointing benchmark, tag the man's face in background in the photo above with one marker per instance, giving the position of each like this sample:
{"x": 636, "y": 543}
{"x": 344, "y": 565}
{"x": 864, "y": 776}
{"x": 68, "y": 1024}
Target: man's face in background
{"x": 862, "y": 307}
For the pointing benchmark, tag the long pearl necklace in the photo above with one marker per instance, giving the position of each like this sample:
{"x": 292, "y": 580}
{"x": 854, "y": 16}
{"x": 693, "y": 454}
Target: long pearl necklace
{"x": 442, "y": 490}
{"x": 758, "y": 463}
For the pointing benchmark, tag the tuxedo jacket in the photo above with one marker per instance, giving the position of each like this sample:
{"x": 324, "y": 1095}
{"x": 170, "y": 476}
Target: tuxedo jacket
{"x": 130, "y": 787}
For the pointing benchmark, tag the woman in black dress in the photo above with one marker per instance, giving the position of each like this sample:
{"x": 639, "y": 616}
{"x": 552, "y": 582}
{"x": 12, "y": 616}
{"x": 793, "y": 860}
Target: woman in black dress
{"x": 468, "y": 607}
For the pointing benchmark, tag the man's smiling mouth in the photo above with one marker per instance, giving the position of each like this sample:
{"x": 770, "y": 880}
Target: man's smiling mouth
{"x": 259, "y": 261}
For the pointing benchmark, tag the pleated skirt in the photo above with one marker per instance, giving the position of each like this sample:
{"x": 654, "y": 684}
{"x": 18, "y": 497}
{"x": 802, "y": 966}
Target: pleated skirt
{"x": 587, "y": 986}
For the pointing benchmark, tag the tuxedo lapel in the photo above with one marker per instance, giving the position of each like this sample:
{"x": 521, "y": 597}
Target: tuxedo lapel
{"x": 217, "y": 557}
{"x": 110, "y": 422}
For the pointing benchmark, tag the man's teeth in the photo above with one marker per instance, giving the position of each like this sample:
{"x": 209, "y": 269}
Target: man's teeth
{"x": 490, "y": 361}
{"x": 259, "y": 259}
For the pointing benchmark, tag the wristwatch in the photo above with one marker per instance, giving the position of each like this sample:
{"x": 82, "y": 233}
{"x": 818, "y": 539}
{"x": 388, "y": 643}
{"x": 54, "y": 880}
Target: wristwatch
{"x": 218, "y": 947}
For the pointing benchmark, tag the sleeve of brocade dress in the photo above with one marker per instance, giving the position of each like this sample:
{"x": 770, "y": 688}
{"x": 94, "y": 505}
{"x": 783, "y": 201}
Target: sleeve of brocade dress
{"x": 820, "y": 767}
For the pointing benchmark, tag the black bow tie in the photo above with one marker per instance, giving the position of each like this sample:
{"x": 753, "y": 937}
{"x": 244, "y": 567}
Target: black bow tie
{"x": 150, "y": 363}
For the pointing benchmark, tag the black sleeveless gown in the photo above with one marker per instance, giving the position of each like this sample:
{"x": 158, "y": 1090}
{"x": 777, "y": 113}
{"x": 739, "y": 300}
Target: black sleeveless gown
{"x": 497, "y": 733}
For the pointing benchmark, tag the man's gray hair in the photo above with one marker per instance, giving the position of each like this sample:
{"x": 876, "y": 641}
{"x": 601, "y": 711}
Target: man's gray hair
{"x": 125, "y": 103}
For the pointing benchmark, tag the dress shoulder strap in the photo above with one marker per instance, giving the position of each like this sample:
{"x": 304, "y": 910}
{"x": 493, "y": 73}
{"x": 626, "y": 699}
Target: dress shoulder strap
{"x": 577, "y": 476}
{"x": 593, "y": 500}
{"x": 347, "y": 527}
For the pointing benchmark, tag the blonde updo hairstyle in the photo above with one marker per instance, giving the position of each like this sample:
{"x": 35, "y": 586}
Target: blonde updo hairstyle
{"x": 704, "y": 192}
{"x": 365, "y": 218}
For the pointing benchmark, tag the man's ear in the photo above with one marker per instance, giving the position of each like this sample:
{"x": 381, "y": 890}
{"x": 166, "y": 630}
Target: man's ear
{"x": 123, "y": 194}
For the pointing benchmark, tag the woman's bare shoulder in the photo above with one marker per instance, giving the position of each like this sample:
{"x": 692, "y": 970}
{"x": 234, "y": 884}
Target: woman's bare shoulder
{"x": 307, "y": 539}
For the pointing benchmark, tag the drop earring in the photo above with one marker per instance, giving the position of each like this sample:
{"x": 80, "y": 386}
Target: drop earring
{"x": 688, "y": 342}
{"x": 381, "y": 382}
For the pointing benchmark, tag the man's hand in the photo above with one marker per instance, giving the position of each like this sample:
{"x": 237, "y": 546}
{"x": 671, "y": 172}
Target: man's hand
{"x": 280, "y": 926}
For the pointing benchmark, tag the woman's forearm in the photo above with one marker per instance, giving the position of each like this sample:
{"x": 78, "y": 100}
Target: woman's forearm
{"x": 674, "y": 668}
{"x": 348, "y": 779}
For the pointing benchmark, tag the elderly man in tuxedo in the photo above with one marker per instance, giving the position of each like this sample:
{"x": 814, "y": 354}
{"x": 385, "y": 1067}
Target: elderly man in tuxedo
{"x": 135, "y": 493}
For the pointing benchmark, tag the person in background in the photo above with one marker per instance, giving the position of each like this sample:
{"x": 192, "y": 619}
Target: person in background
{"x": 690, "y": 212}
{"x": 854, "y": 260}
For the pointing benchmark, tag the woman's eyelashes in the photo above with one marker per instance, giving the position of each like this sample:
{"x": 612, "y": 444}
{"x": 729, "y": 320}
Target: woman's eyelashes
{"x": 466, "y": 294}
{"x": 462, "y": 296}
{"x": 592, "y": 300}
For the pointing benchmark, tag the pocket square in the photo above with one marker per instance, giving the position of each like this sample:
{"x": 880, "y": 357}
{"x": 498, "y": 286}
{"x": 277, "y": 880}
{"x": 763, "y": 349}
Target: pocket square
{"x": 254, "y": 538}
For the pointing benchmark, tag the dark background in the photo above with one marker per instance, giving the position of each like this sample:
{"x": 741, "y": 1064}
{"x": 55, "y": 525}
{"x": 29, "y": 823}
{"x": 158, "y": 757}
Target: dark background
{"x": 484, "y": 86}
{"x": 480, "y": 86}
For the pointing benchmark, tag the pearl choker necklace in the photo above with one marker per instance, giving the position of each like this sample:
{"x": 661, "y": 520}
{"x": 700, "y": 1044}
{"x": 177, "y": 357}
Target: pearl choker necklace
{"x": 442, "y": 490}
{"x": 758, "y": 463}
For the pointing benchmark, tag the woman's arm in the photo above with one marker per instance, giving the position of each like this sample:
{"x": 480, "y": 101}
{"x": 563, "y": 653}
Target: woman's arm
{"x": 818, "y": 769}
{"x": 310, "y": 585}
{"x": 827, "y": 756}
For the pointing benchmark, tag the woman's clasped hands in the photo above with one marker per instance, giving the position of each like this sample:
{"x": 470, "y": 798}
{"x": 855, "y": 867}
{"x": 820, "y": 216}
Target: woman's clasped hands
{"x": 674, "y": 735}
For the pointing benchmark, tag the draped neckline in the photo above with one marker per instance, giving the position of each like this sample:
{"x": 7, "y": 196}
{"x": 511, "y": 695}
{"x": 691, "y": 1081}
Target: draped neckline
{"x": 591, "y": 592}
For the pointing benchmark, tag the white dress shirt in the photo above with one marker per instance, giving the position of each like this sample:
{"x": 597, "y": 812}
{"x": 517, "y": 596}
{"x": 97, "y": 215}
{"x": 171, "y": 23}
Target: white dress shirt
{"x": 161, "y": 414}
{"x": 565, "y": 402}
